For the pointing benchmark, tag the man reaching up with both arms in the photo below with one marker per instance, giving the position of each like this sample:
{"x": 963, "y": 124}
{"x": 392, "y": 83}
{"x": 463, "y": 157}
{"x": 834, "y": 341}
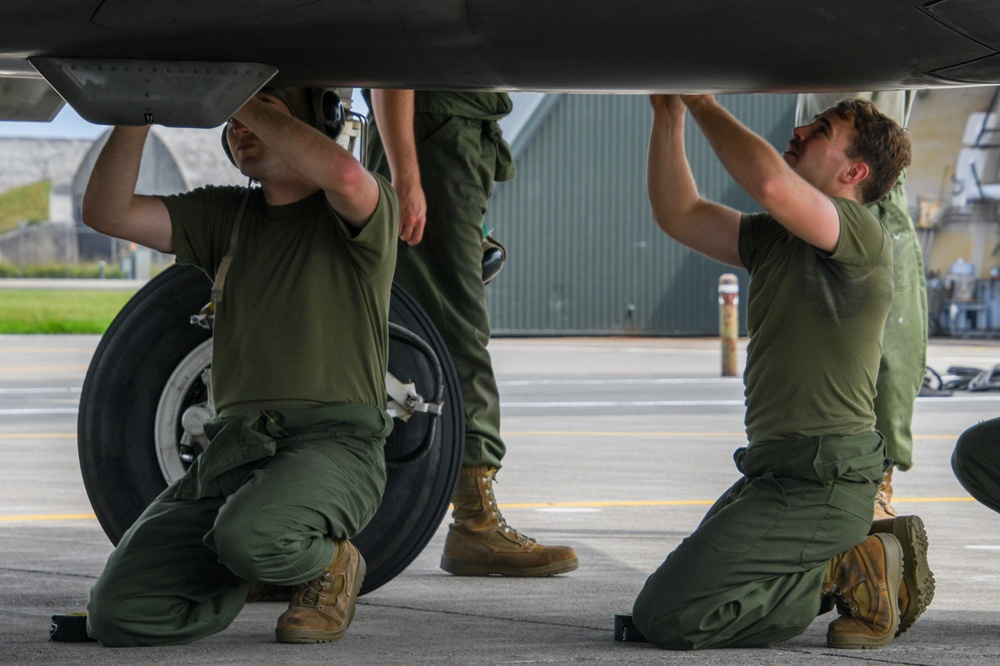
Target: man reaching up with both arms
{"x": 791, "y": 539}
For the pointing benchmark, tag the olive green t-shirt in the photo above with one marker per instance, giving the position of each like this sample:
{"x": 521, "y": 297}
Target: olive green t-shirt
{"x": 303, "y": 319}
{"x": 815, "y": 322}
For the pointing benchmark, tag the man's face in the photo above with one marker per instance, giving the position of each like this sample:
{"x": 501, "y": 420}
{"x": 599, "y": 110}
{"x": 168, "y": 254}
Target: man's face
{"x": 249, "y": 152}
{"x": 818, "y": 151}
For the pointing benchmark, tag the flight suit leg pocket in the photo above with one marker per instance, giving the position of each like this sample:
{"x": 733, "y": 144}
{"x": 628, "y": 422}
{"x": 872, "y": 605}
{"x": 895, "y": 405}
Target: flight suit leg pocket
{"x": 840, "y": 523}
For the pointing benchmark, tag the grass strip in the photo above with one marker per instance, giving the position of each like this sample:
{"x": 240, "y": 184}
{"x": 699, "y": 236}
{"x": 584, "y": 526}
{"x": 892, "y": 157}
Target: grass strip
{"x": 59, "y": 311}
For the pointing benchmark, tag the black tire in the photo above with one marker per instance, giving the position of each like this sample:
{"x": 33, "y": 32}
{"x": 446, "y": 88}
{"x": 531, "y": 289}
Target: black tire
{"x": 127, "y": 457}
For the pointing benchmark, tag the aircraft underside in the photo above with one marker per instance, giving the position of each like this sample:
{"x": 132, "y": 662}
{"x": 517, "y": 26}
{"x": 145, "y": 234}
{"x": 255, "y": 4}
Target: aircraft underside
{"x": 109, "y": 59}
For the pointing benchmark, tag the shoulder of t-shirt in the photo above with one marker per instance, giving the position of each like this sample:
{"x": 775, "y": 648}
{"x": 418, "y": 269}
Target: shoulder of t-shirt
{"x": 850, "y": 210}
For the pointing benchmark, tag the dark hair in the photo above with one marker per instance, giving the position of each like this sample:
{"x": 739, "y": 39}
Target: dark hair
{"x": 879, "y": 142}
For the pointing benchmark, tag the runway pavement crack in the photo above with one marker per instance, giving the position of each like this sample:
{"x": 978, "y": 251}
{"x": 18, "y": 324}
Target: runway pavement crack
{"x": 47, "y": 572}
{"x": 866, "y": 656}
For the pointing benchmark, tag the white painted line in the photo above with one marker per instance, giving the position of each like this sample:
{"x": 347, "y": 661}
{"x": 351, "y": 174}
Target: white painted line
{"x": 62, "y": 284}
{"x": 38, "y": 412}
{"x": 505, "y": 345}
{"x": 37, "y": 391}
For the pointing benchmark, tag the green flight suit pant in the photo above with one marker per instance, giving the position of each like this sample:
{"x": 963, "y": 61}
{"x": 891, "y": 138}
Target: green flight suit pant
{"x": 458, "y": 159}
{"x": 904, "y": 340}
{"x": 751, "y": 573}
{"x": 267, "y": 506}
{"x": 976, "y": 462}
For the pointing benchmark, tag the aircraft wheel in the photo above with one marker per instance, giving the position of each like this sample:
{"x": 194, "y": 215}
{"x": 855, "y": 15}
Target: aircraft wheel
{"x": 146, "y": 395}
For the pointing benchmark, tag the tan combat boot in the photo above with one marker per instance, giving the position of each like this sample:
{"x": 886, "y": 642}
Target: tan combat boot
{"x": 917, "y": 589}
{"x": 322, "y": 608}
{"x": 883, "y": 498}
{"x": 481, "y": 543}
{"x": 865, "y": 581}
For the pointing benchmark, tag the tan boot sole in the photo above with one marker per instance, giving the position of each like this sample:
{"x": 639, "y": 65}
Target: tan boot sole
{"x": 917, "y": 575}
{"x": 461, "y": 567}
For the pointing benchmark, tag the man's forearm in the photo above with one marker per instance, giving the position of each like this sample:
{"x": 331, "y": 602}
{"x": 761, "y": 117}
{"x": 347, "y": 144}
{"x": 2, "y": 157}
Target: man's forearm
{"x": 751, "y": 161}
{"x": 670, "y": 184}
{"x": 108, "y": 198}
{"x": 301, "y": 146}
{"x": 679, "y": 210}
{"x": 394, "y": 114}
{"x": 763, "y": 173}
{"x": 350, "y": 189}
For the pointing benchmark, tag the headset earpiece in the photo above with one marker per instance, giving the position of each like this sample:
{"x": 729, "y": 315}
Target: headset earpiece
{"x": 225, "y": 143}
{"x": 328, "y": 110}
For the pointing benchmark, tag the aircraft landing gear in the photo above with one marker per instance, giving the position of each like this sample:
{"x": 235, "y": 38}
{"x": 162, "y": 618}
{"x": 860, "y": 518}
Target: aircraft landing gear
{"x": 147, "y": 393}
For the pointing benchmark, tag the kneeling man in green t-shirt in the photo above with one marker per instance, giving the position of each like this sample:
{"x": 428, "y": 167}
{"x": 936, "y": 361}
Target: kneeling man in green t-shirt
{"x": 303, "y": 269}
{"x": 790, "y": 539}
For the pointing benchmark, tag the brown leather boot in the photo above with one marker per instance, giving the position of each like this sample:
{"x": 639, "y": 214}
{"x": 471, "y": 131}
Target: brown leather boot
{"x": 865, "y": 580}
{"x": 481, "y": 543}
{"x": 322, "y": 608}
{"x": 917, "y": 589}
{"x": 883, "y": 498}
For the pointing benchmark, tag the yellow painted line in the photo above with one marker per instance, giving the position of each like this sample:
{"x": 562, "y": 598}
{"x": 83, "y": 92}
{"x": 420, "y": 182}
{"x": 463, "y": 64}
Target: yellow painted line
{"x": 605, "y": 433}
{"x": 54, "y": 516}
{"x": 39, "y": 435}
{"x": 523, "y": 505}
{"x": 628, "y": 503}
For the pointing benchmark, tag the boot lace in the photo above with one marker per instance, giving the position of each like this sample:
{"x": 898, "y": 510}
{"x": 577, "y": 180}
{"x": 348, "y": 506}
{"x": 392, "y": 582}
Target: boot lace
{"x": 883, "y": 505}
{"x": 311, "y": 594}
{"x": 494, "y": 510}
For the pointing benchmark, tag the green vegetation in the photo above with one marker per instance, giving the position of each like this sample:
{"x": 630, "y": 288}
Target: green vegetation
{"x": 59, "y": 311}
{"x": 29, "y": 203}
{"x": 8, "y": 269}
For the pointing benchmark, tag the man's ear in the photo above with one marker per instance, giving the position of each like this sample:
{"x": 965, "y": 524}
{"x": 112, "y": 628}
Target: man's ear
{"x": 856, "y": 173}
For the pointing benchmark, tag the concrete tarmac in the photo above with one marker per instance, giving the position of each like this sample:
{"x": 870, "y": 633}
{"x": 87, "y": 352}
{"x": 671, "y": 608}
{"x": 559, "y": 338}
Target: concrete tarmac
{"x": 616, "y": 447}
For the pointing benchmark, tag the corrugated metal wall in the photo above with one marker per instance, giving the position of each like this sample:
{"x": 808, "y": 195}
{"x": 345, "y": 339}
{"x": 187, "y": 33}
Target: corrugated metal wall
{"x": 585, "y": 256}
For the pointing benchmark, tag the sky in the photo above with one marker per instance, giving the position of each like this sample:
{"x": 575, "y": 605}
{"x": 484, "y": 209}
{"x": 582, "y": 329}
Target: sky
{"x": 66, "y": 125}
{"x": 69, "y": 125}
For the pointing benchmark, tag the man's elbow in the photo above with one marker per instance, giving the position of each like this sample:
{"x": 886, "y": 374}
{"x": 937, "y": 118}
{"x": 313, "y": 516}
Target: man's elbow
{"x": 350, "y": 179}
{"x": 91, "y": 214}
{"x": 673, "y": 219}
{"x": 352, "y": 183}
{"x": 102, "y": 217}
{"x": 665, "y": 221}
